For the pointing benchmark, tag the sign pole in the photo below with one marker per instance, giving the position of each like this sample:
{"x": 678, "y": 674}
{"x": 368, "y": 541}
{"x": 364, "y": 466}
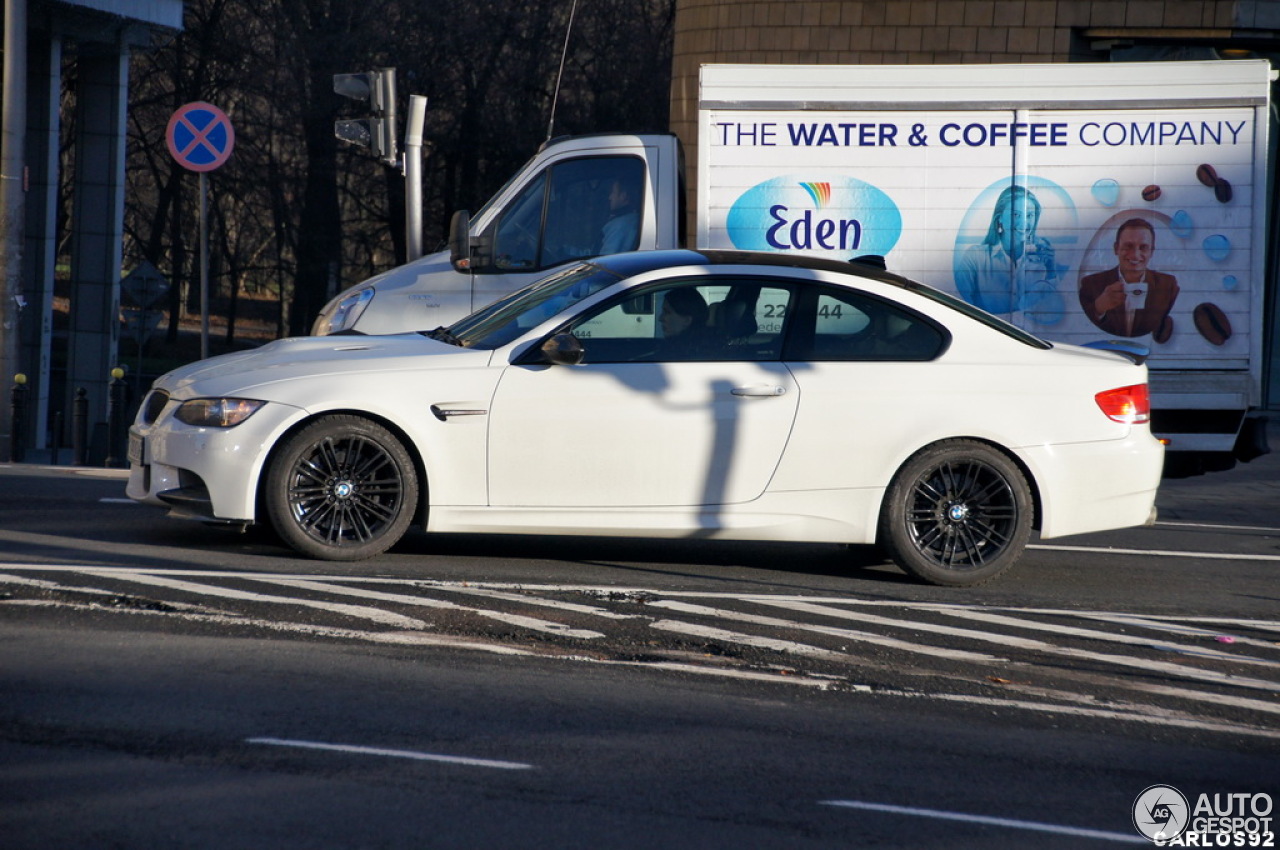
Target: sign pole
{"x": 204, "y": 265}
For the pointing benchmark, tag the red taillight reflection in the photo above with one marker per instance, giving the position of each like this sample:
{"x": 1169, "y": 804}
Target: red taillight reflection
{"x": 1131, "y": 405}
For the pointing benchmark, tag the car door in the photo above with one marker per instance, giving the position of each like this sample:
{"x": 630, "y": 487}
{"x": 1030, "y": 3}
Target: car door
{"x": 643, "y": 423}
{"x": 872, "y": 388}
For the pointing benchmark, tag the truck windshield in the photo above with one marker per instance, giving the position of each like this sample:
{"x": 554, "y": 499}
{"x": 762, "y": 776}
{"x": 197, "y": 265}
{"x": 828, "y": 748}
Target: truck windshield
{"x": 507, "y": 318}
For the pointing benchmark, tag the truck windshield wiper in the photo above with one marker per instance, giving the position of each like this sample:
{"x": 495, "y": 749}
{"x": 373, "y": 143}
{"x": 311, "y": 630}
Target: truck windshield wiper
{"x": 442, "y": 333}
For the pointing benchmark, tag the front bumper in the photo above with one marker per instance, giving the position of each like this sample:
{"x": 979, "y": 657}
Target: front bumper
{"x": 206, "y": 473}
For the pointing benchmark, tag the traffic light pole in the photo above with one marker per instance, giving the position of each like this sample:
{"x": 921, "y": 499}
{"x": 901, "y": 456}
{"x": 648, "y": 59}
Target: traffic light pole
{"x": 377, "y": 131}
{"x": 413, "y": 176}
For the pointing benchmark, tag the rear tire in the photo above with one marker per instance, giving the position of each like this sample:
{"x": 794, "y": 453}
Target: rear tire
{"x": 342, "y": 489}
{"x": 957, "y": 514}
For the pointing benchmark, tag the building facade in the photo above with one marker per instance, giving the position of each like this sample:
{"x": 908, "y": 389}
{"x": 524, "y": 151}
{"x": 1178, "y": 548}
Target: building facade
{"x": 46, "y": 41}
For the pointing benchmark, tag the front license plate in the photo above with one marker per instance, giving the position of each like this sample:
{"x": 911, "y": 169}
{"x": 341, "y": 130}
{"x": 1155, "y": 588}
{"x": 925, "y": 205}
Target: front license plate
{"x": 137, "y": 450}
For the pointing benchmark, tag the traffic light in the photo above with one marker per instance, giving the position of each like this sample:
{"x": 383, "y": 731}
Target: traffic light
{"x": 378, "y": 130}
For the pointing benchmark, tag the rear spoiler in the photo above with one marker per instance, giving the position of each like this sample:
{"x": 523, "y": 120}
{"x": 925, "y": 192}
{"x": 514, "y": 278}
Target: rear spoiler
{"x": 1133, "y": 351}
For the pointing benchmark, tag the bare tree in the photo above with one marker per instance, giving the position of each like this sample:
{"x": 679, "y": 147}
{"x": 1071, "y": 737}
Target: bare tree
{"x": 300, "y": 215}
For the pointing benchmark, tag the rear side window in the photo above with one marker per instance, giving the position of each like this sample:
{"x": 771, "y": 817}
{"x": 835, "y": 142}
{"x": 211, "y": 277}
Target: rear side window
{"x": 841, "y": 325}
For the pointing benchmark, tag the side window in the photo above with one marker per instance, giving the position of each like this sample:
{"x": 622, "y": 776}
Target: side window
{"x": 515, "y": 246}
{"x": 575, "y": 209}
{"x": 844, "y": 325}
{"x": 689, "y": 321}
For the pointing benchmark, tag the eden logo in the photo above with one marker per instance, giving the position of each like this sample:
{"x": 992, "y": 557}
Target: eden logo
{"x": 820, "y": 192}
{"x": 844, "y": 216}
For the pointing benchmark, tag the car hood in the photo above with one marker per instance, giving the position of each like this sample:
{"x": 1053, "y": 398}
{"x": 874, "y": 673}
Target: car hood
{"x": 301, "y": 357}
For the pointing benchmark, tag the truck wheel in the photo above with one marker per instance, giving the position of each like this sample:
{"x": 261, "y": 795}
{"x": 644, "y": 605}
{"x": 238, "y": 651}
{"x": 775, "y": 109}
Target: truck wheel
{"x": 341, "y": 489}
{"x": 956, "y": 514}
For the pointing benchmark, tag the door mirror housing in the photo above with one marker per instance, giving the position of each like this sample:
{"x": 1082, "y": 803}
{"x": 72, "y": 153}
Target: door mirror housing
{"x": 460, "y": 241}
{"x": 563, "y": 349}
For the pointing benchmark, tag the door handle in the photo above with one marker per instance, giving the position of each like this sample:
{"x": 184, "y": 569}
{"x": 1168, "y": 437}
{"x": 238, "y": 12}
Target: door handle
{"x": 759, "y": 392}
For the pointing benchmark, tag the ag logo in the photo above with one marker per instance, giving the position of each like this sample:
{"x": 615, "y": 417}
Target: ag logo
{"x": 1161, "y": 812}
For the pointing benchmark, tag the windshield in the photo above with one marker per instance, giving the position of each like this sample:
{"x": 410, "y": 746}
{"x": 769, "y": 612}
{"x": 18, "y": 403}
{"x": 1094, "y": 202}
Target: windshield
{"x": 507, "y": 318}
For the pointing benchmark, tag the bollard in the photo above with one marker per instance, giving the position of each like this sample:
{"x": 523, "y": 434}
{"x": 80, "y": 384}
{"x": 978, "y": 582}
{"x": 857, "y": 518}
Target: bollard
{"x": 80, "y": 428}
{"x": 18, "y": 403}
{"x": 56, "y": 436}
{"x": 115, "y": 419}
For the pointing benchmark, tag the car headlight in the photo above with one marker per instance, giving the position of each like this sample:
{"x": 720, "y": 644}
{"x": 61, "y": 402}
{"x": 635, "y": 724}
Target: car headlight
{"x": 341, "y": 314}
{"x": 217, "y": 412}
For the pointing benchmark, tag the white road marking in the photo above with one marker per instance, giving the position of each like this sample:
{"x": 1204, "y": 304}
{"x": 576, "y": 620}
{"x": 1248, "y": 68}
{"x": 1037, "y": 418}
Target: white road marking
{"x": 534, "y": 600}
{"x": 399, "y": 754}
{"x": 1109, "y": 637}
{"x": 848, "y": 634}
{"x": 393, "y": 638}
{"x": 427, "y": 602}
{"x": 1102, "y": 713}
{"x": 1219, "y": 526}
{"x": 1148, "y": 665}
{"x": 749, "y": 640}
{"x": 985, "y": 820}
{"x": 1043, "y": 700}
{"x": 1158, "y": 553}
{"x": 1193, "y": 631}
{"x": 377, "y": 615}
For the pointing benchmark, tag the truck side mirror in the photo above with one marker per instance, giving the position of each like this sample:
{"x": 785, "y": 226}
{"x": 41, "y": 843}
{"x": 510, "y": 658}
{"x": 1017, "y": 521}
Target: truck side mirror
{"x": 460, "y": 240}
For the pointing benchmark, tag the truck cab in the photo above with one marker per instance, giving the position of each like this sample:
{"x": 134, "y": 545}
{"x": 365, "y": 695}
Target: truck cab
{"x": 578, "y": 197}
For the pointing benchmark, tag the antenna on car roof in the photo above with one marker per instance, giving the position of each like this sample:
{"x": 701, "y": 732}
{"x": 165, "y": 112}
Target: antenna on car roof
{"x": 564, "y": 52}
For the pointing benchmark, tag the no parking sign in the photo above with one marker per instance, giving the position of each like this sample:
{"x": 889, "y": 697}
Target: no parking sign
{"x": 200, "y": 136}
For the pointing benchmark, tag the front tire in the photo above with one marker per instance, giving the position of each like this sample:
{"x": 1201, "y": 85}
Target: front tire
{"x": 957, "y": 514}
{"x": 342, "y": 489}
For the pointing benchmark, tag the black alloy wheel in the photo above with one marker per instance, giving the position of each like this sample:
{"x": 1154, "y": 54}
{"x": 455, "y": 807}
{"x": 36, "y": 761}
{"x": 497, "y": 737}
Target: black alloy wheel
{"x": 342, "y": 489}
{"x": 958, "y": 513}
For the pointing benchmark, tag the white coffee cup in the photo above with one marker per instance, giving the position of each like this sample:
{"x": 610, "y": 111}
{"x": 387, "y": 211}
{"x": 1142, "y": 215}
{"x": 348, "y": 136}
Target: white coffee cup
{"x": 1135, "y": 295}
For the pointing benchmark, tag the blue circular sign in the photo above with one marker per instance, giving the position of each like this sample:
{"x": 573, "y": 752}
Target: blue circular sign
{"x": 200, "y": 136}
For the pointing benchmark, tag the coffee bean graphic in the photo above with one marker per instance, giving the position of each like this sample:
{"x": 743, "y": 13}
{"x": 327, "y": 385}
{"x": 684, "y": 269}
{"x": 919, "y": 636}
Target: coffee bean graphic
{"x": 1164, "y": 331}
{"x": 1151, "y": 193}
{"x": 1207, "y": 175}
{"x": 1212, "y": 323}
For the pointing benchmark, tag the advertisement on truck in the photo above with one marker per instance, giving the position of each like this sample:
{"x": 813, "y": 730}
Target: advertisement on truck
{"x": 1135, "y": 225}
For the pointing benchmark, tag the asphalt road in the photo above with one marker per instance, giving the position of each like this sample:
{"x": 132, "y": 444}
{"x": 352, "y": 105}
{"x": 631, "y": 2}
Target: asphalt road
{"x": 171, "y": 684}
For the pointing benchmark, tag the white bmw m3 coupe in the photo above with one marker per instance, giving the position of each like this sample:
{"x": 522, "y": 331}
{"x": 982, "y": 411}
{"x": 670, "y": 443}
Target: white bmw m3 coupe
{"x": 707, "y": 394}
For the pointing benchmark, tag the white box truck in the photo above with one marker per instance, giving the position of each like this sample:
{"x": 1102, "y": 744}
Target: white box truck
{"x": 1084, "y": 202}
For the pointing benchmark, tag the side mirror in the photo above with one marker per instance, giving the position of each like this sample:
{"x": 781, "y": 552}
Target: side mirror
{"x": 460, "y": 240}
{"x": 563, "y": 350}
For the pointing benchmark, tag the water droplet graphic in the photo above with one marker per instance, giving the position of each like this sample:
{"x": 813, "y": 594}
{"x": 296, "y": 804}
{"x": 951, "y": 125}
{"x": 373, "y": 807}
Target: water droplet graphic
{"x": 1106, "y": 192}
{"x": 1230, "y": 282}
{"x": 1217, "y": 247}
{"x": 1181, "y": 224}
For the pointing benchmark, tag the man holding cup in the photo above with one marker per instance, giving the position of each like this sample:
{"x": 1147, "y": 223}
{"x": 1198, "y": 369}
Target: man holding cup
{"x": 1130, "y": 300}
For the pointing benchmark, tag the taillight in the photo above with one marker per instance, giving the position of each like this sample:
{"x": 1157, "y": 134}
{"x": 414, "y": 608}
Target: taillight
{"x": 1131, "y": 405}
